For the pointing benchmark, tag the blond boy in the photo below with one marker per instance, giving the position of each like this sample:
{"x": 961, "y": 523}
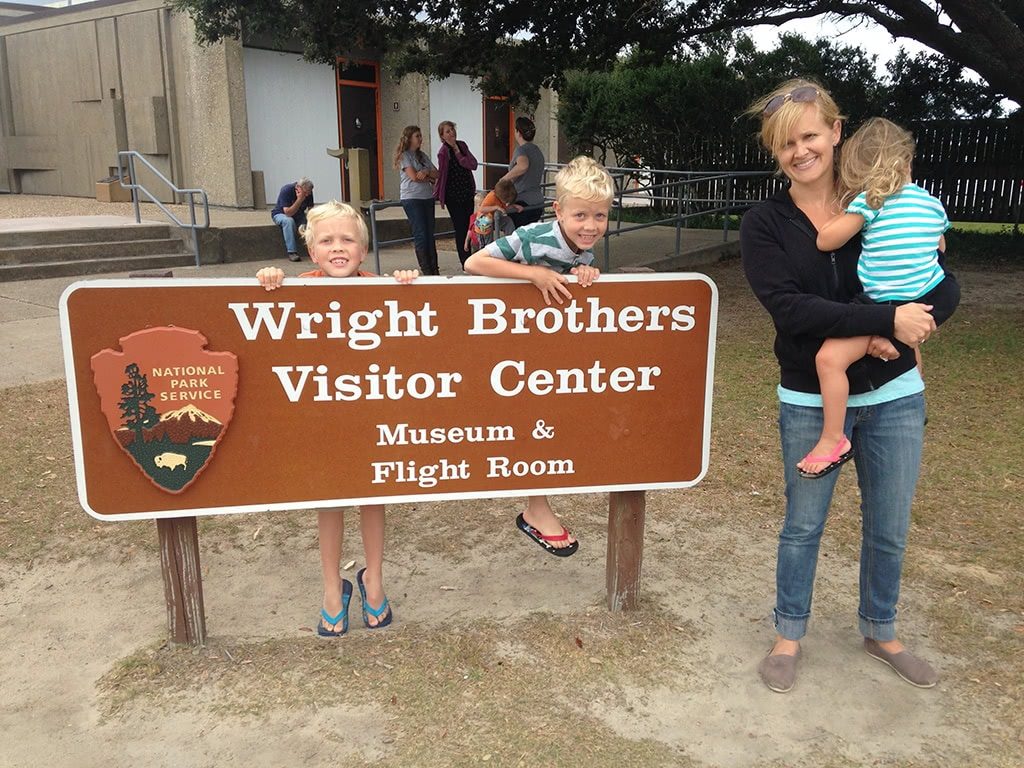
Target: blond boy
{"x": 544, "y": 253}
{"x": 337, "y": 240}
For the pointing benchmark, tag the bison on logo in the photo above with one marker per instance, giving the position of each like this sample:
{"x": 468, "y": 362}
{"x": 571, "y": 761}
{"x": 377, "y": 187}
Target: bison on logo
{"x": 168, "y": 401}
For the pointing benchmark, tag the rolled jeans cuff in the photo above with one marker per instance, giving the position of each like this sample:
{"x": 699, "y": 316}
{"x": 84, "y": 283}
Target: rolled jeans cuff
{"x": 790, "y": 627}
{"x": 877, "y": 630}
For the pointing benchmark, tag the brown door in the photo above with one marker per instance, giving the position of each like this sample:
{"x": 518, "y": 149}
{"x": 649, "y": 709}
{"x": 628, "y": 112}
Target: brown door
{"x": 497, "y": 138}
{"x": 359, "y": 116}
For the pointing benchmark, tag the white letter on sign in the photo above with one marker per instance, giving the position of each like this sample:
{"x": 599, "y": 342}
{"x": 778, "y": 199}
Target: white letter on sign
{"x": 482, "y": 316}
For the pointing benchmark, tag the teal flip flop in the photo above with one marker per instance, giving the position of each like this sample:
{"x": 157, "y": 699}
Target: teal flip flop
{"x": 346, "y": 596}
{"x": 369, "y": 610}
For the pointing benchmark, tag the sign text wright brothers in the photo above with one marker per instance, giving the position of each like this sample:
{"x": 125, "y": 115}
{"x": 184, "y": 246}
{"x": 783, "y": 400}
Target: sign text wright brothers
{"x": 206, "y": 396}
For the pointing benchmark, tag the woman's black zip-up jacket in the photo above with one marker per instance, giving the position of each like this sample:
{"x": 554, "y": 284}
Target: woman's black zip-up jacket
{"x": 814, "y": 295}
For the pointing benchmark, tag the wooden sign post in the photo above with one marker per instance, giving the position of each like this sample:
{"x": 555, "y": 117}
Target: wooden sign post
{"x": 198, "y": 397}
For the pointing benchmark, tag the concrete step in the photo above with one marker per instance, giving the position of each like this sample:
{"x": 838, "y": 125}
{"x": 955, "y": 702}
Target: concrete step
{"x": 74, "y": 252}
{"x": 12, "y": 272}
{"x": 24, "y": 238}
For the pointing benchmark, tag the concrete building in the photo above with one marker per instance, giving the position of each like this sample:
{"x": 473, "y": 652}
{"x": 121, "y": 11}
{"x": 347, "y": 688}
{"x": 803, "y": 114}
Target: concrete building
{"x": 237, "y": 119}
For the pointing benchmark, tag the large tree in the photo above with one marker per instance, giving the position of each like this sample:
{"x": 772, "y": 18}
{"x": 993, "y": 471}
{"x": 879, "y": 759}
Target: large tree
{"x": 517, "y": 47}
{"x": 984, "y": 35}
{"x": 657, "y": 116}
{"x": 511, "y": 48}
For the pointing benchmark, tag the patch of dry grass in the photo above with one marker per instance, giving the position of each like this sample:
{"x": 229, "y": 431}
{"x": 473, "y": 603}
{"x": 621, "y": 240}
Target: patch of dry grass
{"x": 482, "y": 691}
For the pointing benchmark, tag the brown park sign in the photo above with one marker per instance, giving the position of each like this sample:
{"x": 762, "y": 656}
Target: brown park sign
{"x": 193, "y": 397}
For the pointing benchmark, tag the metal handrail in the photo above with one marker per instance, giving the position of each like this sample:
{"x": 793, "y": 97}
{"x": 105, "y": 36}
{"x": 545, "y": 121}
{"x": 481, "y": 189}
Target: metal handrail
{"x": 131, "y": 156}
{"x": 676, "y": 190}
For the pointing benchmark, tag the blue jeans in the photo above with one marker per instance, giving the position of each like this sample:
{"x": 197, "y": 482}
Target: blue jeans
{"x": 287, "y": 225}
{"x": 421, "y": 220}
{"x": 887, "y": 441}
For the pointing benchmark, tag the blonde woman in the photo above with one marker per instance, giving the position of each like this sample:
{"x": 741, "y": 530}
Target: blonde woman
{"x": 811, "y": 297}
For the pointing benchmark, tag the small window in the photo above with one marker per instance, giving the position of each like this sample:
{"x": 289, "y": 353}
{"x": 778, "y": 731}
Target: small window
{"x": 357, "y": 72}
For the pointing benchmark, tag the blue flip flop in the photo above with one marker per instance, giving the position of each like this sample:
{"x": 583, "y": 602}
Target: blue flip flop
{"x": 346, "y": 595}
{"x": 369, "y": 610}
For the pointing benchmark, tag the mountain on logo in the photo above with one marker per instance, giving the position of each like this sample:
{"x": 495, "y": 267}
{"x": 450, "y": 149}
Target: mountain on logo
{"x": 184, "y": 425}
{"x": 189, "y": 412}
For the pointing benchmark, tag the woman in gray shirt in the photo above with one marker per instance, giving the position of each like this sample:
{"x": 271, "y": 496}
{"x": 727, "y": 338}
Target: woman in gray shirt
{"x": 417, "y": 175}
{"x": 526, "y": 171}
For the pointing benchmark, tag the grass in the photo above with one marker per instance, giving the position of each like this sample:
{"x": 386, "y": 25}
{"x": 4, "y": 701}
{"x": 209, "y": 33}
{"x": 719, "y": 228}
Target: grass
{"x": 482, "y": 690}
{"x": 473, "y": 690}
{"x": 983, "y": 226}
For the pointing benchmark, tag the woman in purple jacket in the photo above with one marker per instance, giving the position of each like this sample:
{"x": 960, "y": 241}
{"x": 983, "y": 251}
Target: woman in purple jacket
{"x": 455, "y": 185}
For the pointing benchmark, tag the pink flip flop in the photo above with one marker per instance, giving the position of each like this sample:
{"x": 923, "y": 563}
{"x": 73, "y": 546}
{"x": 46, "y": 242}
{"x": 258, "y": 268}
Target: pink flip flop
{"x": 843, "y": 453}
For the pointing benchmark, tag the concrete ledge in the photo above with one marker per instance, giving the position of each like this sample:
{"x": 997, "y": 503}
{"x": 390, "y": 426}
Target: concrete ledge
{"x": 708, "y": 254}
{"x": 230, "y": 245}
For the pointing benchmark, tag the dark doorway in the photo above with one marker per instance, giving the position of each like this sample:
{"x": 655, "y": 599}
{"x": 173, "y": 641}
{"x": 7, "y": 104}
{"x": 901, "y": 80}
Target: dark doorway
{"x": 359, "y": 117}
{"x": 497, "y": 138}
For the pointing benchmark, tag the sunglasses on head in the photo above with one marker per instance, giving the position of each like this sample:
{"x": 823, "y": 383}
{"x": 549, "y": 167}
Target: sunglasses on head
{"x": 804, "y": 94}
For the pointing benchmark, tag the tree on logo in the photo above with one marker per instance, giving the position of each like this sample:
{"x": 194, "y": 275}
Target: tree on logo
{"x": 136, "y": 411}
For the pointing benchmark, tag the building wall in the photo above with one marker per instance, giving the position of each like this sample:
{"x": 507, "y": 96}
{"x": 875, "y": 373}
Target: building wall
{"x": 455, "y": 99}
{"x": 80, "y": 84}
{"x": 297, "y": 110}
{"x": 213, "y": 123}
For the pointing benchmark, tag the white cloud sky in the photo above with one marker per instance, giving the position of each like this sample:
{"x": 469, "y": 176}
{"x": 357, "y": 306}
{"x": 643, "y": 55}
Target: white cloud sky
{"x": 860, "y": 34}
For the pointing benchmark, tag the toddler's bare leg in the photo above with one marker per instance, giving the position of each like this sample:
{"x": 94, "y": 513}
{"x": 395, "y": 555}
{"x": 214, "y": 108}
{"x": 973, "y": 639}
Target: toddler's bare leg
{"x": 834, "y": 357}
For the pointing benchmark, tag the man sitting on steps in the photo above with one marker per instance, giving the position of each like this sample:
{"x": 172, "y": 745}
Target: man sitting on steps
{"x": 290, "y": 212}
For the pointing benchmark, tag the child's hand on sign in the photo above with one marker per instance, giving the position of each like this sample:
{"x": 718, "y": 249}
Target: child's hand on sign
{"x": 403, "y": 276}
{"x": 550, "y": 284}
{"x": 270, "y": 277}
{"x": 585, "y": 275}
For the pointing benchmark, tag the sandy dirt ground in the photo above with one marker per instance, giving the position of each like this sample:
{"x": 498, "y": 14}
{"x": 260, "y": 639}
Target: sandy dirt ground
{"x": 62, "y": 626}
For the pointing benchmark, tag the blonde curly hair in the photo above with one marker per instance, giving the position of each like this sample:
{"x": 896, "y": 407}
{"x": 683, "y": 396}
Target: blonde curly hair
{"x": 586, "y": 179}
{"x": 875, "y": 160}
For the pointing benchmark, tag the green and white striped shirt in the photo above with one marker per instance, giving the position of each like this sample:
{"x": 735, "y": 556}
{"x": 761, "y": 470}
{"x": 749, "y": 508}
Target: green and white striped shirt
{"x": 542, "y": 243}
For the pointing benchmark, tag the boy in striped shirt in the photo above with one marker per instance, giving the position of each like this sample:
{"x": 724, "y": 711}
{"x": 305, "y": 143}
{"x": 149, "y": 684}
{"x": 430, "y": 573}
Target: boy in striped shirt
{"x": 544, "y": 253}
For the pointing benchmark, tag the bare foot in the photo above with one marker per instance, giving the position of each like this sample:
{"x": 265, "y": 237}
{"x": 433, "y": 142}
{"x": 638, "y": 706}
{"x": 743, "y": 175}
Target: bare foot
{"x": 332, "y": 605}
{"x": 539, "y": 515}
{"x": 827, "y": 450}
{"x": 891, "y": 646}
{"x": 374, "y": 596}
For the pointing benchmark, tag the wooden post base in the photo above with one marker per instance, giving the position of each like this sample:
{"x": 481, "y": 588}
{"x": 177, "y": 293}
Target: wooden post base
{"x": 626, "y": 511}
{"x": 183, "y": 581}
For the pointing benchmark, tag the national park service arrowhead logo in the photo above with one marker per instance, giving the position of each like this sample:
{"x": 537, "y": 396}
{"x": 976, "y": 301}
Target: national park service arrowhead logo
{"x": 168, "y": 401}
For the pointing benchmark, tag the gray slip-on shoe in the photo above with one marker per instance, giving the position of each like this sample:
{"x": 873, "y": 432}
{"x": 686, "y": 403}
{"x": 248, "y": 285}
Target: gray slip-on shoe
{"x": 914, "y": 670}
{"x": 779, "y": 671}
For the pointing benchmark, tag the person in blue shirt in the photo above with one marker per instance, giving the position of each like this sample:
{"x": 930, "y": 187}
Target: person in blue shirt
{"x": 289, "y": 213}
